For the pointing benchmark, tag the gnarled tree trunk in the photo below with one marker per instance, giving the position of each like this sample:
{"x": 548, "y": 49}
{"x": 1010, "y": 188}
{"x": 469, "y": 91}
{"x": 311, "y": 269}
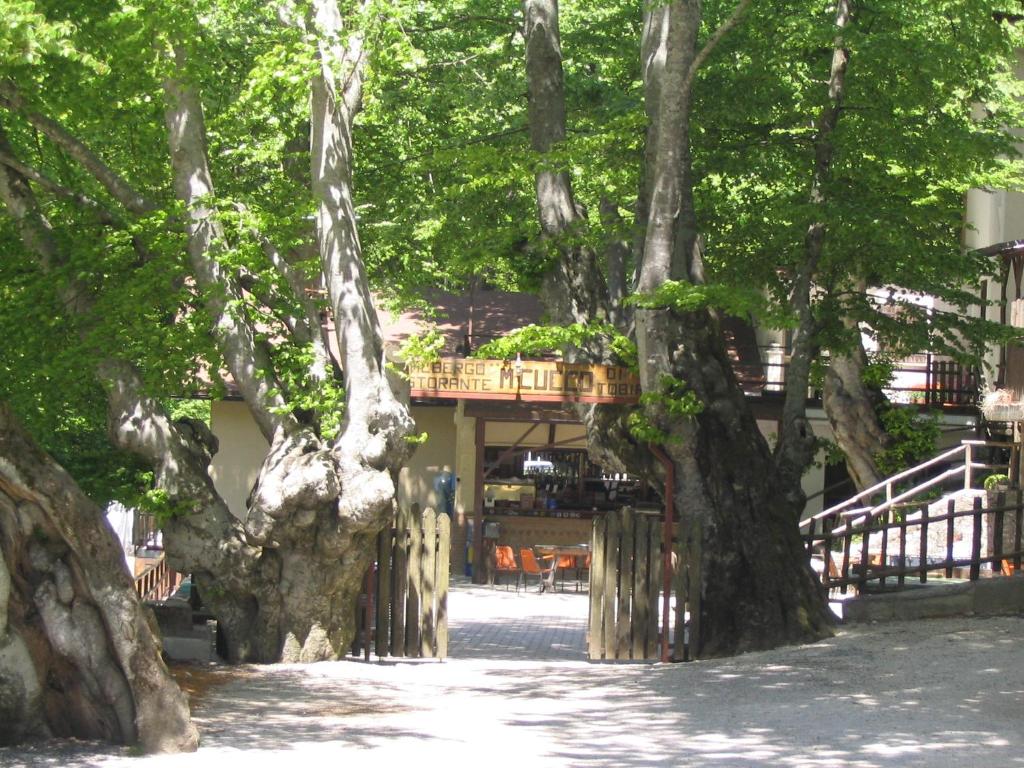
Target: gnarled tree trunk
{"x": 755, "y": 588}
{"x": 79, "y": 653}
{"x": 283, "y": 576}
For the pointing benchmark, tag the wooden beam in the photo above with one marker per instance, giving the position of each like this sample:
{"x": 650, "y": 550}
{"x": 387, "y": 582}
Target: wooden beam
{"x": 478, "y": 503}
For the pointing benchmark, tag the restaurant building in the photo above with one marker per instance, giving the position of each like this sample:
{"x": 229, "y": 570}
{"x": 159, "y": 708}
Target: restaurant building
{"x": 505, "y": 452}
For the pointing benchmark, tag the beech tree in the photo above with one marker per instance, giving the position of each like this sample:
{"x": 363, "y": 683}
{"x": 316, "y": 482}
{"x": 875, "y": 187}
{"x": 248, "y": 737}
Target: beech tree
{"x": 228, "y": 270}
{"x": 779, "y": 174}
{"x": 80, "y": 657}
{"x": 178, "y": 174}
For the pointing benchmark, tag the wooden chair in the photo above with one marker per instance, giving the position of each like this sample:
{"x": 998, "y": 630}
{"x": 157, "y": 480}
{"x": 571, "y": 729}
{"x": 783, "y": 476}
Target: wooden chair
{"x": 505, "y": 562}
{"x": 533, "y": 568}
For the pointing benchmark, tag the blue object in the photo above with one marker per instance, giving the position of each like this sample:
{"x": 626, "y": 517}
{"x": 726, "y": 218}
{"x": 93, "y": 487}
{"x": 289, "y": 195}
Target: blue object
{"x": 444, "y": 484}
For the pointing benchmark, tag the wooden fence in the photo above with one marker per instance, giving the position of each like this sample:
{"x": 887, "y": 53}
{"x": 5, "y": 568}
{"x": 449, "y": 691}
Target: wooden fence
{"x": 914, "y": 540}
{"x": 625, "y": 581}
{"x": 403, "y": 611}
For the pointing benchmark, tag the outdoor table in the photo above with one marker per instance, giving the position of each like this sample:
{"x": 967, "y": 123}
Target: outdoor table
{"x": 557, "y": 551}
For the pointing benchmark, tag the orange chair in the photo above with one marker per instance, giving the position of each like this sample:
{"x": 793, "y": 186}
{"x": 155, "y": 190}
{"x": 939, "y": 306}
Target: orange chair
{"x": 505, "y": 562}
{"x": 582, "y": 566}
{"x": 561, "y": 564}
{"x": 532, "y": 568}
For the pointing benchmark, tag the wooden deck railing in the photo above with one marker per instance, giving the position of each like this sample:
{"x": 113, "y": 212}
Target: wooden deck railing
{"x": 868, "y": 517}
{"x": 158, "y": 581}
{"x": 956, "y": 466}
{"x": 886, "y": 543}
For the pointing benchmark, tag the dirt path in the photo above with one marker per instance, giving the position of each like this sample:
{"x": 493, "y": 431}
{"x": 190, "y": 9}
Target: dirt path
{"x": 928, "y": 693}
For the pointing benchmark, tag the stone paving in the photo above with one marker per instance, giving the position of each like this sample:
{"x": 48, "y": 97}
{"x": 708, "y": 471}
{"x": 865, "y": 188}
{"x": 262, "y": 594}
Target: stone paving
{"x": 498, "y": 623}
{"x": 517, "y": 690}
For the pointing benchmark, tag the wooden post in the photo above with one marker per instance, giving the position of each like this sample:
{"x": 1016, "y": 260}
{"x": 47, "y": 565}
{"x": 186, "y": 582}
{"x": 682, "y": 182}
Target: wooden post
{"x": 923, "y": 554}
{"x": 654, "y": 587}
{"x": 950, "y": 533}
{"x": 998, "y": 524}
{"x": 385, "y": 553}
{"x": 865, "y": 555}
{"x": 641, "y": 592}
{"x": 611, "y": 568}
{"x": 976, "y": 541}
{"x": 428, "y": 580}
{"x": 847, "y": 544}
{"x": 901, "y": 578}
{"x": 884, "y": 519}
{"x": 478, "y": 502}
{"x": 415, "y": 581}
{"x": 598, "y": 536}
{"x": 371, "y": 578}
{"x": 1018, "y": 516}
{"x": 400, "y": 582}
{"x": 444, "y": 546}
{"x": 968, "y": 466}
{"x": 623, "y": 614}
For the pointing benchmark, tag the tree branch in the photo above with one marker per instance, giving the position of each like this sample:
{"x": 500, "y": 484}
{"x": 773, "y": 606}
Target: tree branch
{"x": 712, "y": 42}
{"x": 247, "y": 360}
{"x": 82, "y": 201}
{"x": 120, "y": 189}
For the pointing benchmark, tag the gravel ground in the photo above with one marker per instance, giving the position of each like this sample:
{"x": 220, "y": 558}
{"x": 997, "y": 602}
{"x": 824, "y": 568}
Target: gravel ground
{"x": 926, "y": 693}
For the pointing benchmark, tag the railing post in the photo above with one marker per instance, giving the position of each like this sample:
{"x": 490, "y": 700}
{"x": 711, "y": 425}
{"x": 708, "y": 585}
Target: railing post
{"x": 976, "y": 541}
{"x": 998, "y": 521}
{"x": 968, "y": 466}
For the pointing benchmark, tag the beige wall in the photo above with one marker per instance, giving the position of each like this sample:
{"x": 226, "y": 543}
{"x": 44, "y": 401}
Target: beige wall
{"x": 241, "y": 453}
{"x": 416, "y": 480}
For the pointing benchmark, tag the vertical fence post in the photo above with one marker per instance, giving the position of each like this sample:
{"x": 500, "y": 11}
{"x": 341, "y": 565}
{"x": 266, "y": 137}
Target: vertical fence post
{"x": 998, "y": 524}
{"x": 968, "y": 466}
{"x": 597, "y": 567}
{"x": 623, "y": 621}
{"x": 865, "y": 553}
{"x": 902, "y": 575}
{"x": 385, "y": 554}
{"x": 950, "y": 533}
{"x": 923, "y": 553}
{"x": 611, "y": 569}
{"x": 444, "y": 545}
{"x": 1018, "y": 518}
{"x": 976, "y": 541}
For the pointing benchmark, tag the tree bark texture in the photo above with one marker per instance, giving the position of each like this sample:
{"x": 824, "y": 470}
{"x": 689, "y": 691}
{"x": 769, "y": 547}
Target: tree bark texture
{"x": 750, "y": 583}
{"x": 852, "y": 410}
{"x": 79, "y": 653}
{"x": 575, "y": 289}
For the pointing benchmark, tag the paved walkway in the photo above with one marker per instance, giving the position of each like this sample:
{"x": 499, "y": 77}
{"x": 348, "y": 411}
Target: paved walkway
{"x": 940, "y": 694}
{"x": 498, "y": 623}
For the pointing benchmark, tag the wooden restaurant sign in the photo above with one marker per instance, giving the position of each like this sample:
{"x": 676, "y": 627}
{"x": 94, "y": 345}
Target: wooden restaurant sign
{"x": 536, "y": 381}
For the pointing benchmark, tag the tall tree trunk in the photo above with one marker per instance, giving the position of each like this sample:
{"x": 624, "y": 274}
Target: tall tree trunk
{"x": 852, "y": 410}
{"x": 746, "y": 576}
{"x": 575, "y": 289}
{"x": 79, "y": 655}
{"x": 797, "y": 443}
{"x": 316, "y": 506}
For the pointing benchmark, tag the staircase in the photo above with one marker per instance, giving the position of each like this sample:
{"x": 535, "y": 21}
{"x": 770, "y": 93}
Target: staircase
{"x": 934, "y": 518}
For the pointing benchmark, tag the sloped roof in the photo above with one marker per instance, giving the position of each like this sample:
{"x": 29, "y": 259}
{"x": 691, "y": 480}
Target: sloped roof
{"x": 477, "y": 316}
